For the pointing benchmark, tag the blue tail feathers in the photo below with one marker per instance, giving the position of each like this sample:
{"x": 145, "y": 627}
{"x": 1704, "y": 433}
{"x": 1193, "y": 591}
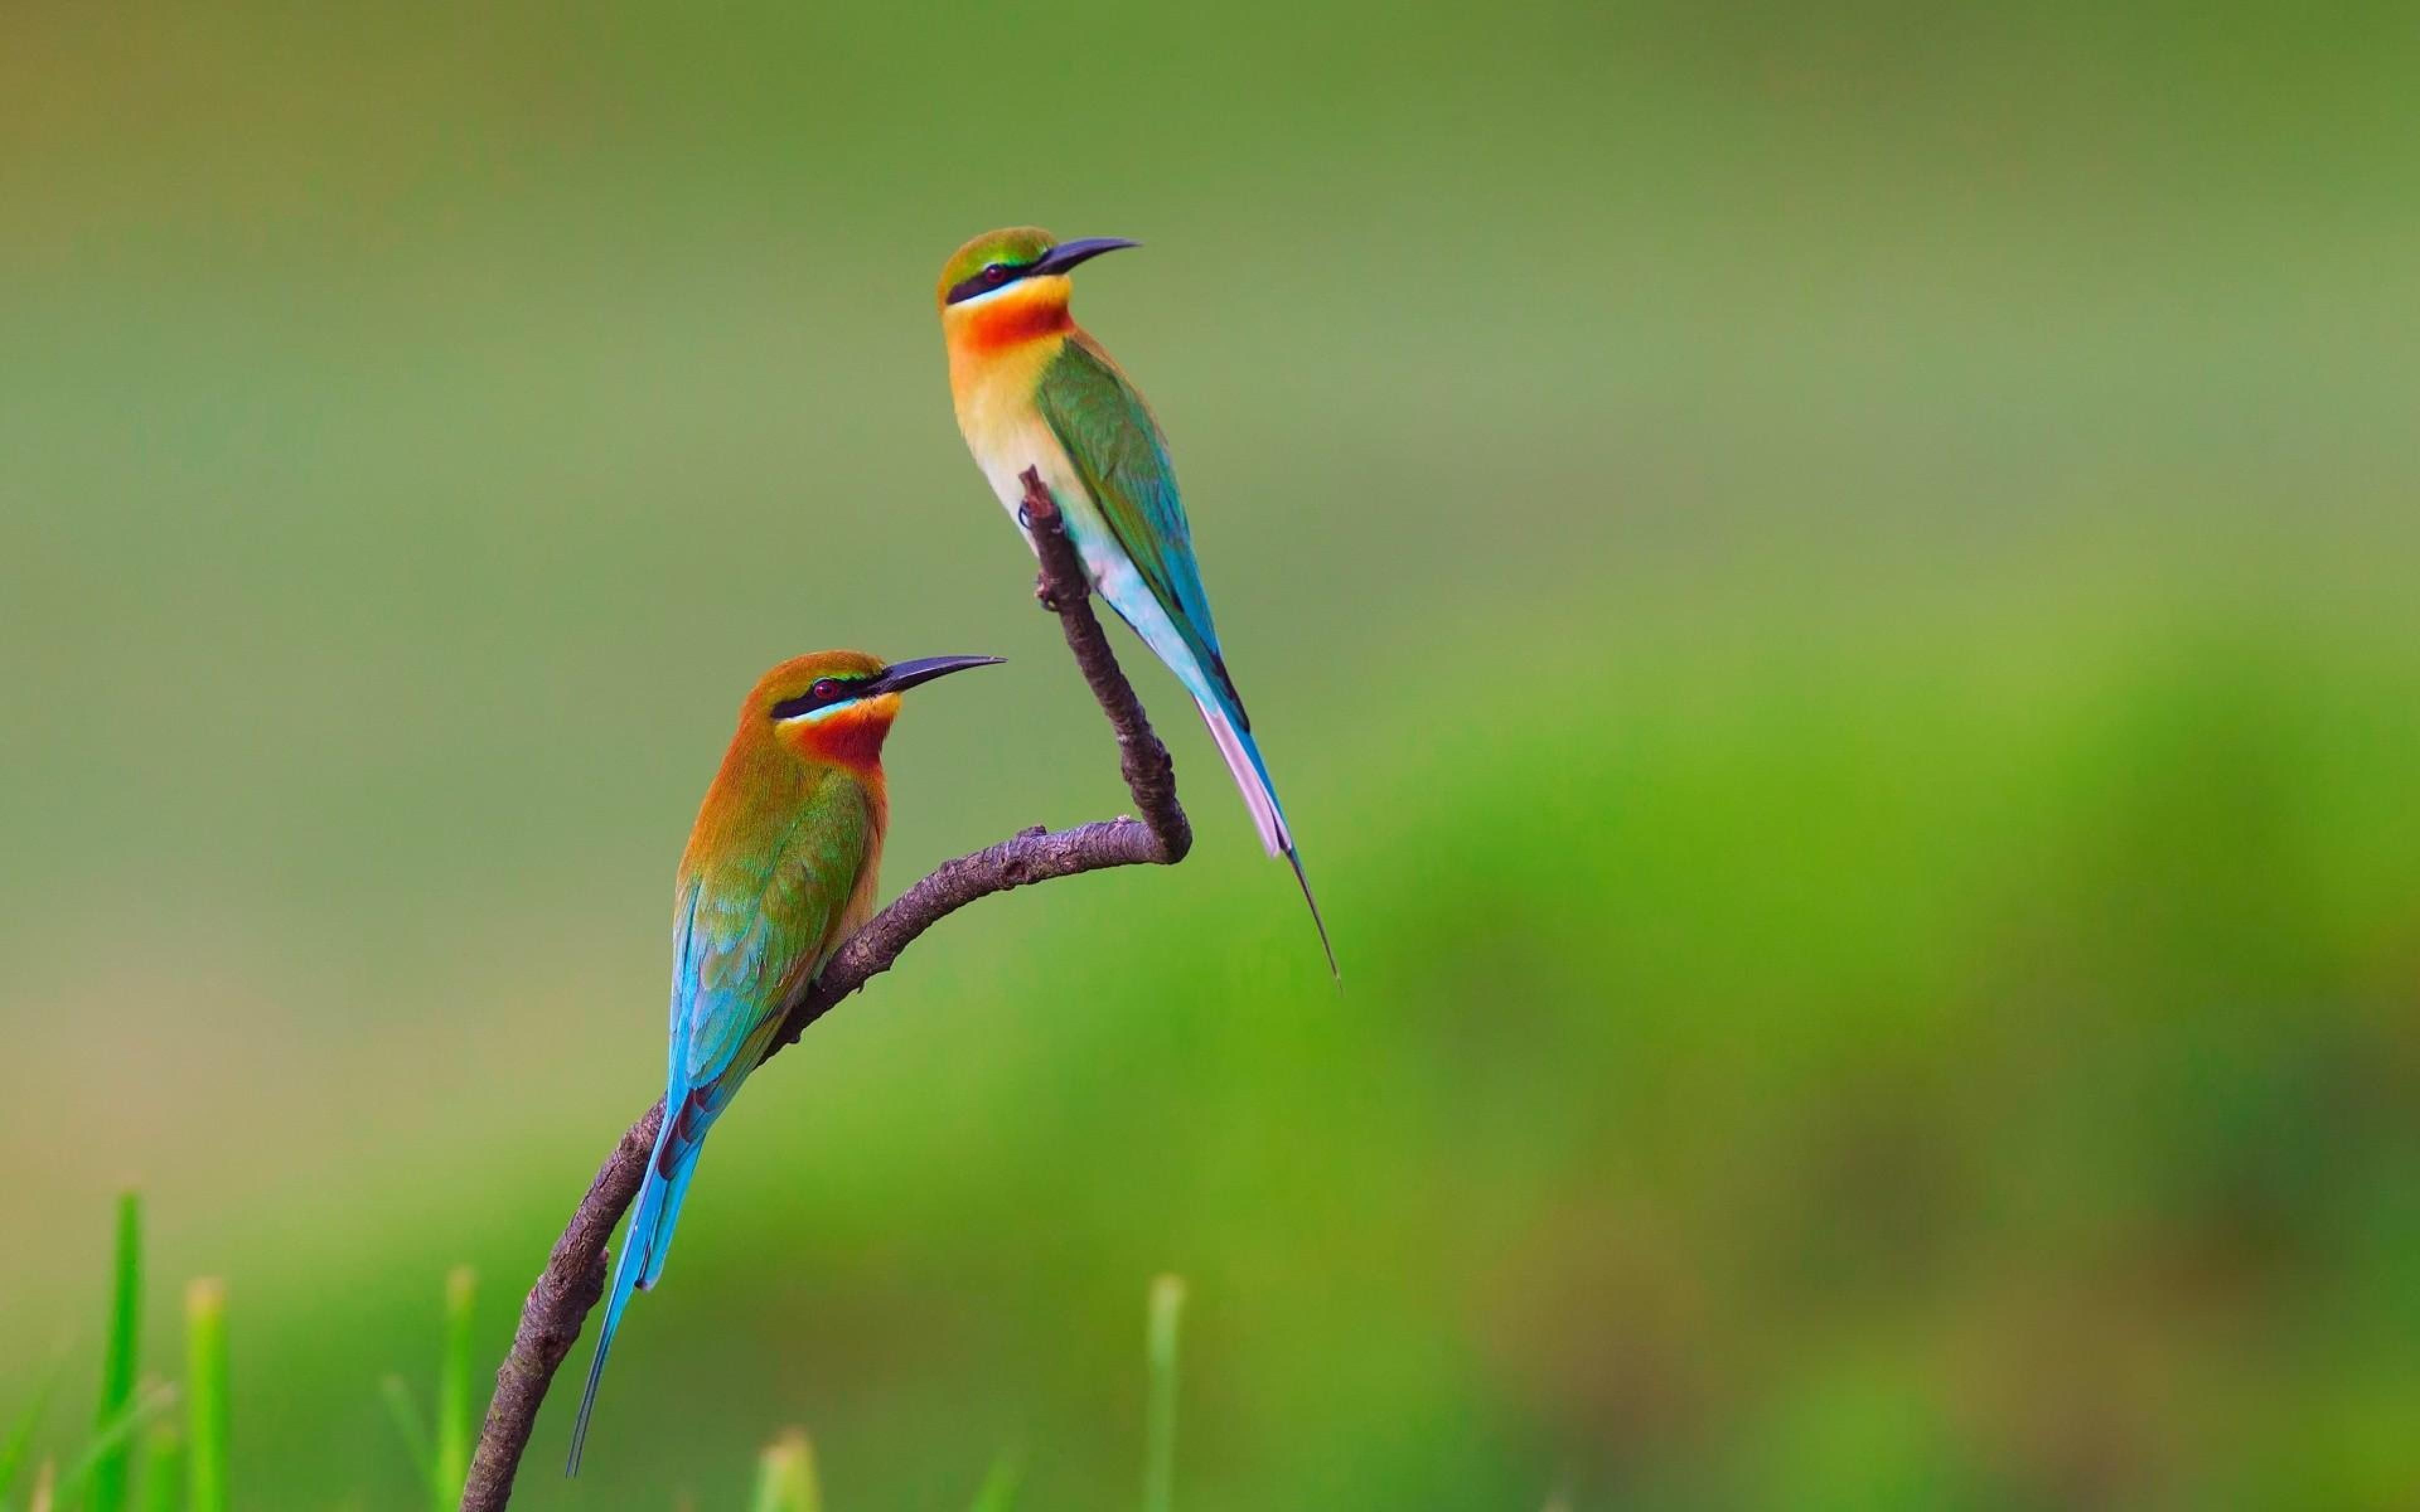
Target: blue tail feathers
{"x": 646, "y": 1243}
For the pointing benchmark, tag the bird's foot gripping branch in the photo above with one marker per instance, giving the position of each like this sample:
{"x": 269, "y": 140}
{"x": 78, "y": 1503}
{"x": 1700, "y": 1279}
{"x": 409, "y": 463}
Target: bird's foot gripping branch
{"x": 574, "y": 1278}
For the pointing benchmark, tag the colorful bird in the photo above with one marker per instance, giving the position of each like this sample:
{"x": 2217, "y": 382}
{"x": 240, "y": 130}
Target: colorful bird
{"x": 1034, "y": 390}
{"x": 778, "y": 870}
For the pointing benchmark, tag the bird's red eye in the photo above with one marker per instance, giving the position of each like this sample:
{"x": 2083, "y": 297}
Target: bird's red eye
{"x": 994, "y": 272}
{"x": 825, "y": 690}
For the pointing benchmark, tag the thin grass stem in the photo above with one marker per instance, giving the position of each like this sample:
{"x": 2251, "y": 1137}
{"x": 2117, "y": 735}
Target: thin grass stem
{"x": 120, "y": 1359}
{"x": 1159, "y": 1427}
{"x": 452, "y": 1459}
{"x": 206, "y": 1399}
{"x": 158, "y": 1481}
{"x": 785, "y": 1477}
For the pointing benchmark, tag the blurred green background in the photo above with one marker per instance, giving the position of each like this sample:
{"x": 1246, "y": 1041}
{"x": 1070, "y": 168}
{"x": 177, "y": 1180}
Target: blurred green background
{"x": 1831, "y": 594}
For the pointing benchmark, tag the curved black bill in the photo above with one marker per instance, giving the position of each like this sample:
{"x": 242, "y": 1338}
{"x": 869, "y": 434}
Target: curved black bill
{"x": 902, "y": 675}
{"x": 1068, "y": 253}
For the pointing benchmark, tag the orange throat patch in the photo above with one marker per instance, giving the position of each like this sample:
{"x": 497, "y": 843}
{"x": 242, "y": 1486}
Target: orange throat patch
{"x": 850, "y": 736}
{"x": 1021, "y": 312}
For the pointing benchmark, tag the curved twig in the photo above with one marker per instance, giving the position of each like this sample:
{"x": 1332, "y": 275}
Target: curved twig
{"x": 574, "y": 1278}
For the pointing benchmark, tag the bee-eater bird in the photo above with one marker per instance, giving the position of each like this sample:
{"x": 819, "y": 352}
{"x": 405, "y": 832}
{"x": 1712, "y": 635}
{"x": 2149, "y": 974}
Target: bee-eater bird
{"x": 1034, "y": 390}
{"x": 778, "y": 870}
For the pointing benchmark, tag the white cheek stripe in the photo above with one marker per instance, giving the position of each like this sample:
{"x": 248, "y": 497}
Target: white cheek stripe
{"x": 811, "y": 716}
{"x": 989, "y": 295}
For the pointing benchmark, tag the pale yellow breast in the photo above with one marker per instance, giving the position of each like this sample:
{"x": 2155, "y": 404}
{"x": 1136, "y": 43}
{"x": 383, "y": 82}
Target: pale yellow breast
{"x": 1003, "y": 427}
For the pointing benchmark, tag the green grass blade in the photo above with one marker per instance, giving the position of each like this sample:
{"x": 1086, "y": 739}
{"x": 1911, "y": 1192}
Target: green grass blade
{"x": 1159, "y": 1428}
{"x": 998, "y": 1494}
{"x": 205, "y": 1401}
{"x": 21, "y": 1434}
{"x": 123, "y": 1355}
{"x": 452, "y": 1461}
{"x": 158, "y": 1479}
{"x": 785, "y": 1477}
{"x": 408, "y": 1427}
{"x": 114, "y": 1442}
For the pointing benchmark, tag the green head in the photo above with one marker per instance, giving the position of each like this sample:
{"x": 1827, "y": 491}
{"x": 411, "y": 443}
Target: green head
{"x": 996, "y": 259}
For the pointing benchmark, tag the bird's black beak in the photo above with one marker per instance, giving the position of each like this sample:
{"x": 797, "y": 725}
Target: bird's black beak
{"x": 1065, "y": 255}
{"x": 902, "y": 675}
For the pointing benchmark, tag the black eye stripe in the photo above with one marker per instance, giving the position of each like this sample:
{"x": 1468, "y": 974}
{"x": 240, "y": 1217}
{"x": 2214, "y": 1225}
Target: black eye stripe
{"x": 824, "y": 693}
{"x": 987, "y": 278}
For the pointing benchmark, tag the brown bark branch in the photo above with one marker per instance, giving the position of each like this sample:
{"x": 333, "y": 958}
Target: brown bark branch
{"x": 574, "y": 1278}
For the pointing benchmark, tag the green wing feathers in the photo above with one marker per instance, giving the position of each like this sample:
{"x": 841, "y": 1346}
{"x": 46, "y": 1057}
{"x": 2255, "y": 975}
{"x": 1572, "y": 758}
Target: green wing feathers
{"x": 1117, "y": 449}
{"x": 759, "y": 925}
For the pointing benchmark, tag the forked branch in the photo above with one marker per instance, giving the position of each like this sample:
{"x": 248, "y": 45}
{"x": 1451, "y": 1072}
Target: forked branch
{"x": 574, "y": 1278}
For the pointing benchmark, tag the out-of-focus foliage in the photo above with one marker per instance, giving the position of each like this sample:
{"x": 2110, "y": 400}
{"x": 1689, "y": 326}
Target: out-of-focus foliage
{"x": 1828, "y": 591}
